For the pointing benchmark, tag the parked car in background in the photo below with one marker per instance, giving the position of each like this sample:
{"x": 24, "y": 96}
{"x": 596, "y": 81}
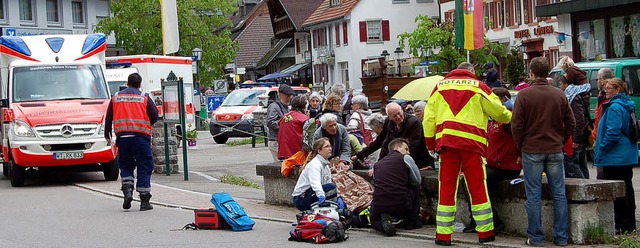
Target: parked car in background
{"x": 626, "y": 69}
{"x": 234, "y": 117}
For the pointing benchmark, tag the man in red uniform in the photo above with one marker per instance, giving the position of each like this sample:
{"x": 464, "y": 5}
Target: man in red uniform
{"x": 132, "y": 113}
{"x": 455, "y": 125}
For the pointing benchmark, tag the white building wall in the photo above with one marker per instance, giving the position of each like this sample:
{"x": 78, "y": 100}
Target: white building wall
{"x": 94, "y": 11}
{"x": 401, "y": 18}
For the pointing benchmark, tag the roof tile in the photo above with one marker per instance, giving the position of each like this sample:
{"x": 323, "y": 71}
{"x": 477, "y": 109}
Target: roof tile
{"x": 325, "y": 13}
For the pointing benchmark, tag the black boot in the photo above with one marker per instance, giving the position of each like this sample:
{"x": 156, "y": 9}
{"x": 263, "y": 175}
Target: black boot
{"x": 127, "y": 190}
{"x": 471, "y": 228}
{"x": 144, "y": 202}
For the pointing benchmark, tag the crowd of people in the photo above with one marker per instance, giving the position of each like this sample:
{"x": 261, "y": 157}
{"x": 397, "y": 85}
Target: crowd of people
{"x": 469, "y": 127}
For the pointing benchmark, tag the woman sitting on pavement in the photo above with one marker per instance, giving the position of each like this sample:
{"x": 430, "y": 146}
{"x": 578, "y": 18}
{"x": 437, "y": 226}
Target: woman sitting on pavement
{"x": 616, "y": 153}
{"x": 314, "y": 183}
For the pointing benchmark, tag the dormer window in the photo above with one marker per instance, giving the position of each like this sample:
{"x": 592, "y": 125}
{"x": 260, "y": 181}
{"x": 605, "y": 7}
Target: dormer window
{"x": 335, "y": 3}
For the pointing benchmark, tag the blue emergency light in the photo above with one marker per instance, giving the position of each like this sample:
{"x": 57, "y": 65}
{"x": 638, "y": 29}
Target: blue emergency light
{"x": 92, "y": 42}
{"x": 55, "y": 43}
{"x": 15, "y": 43}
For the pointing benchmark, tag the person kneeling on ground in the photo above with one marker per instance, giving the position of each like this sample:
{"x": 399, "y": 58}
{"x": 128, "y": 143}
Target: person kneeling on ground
{"x": 395, "y": 195}
{"x": 314, "y": 183}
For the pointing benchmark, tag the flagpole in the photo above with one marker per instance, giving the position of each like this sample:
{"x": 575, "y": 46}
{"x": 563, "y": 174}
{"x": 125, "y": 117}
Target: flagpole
{"x": 468, "y": 57}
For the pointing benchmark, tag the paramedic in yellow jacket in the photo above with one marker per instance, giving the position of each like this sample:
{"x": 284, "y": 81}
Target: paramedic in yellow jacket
{"x": 455, "y": 126}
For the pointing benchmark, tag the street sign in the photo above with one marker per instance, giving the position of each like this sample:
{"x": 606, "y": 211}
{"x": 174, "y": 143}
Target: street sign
{"x": 213, "y": 102}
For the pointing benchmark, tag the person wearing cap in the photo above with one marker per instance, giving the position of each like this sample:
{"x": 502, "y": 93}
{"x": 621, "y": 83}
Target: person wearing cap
{"x": 275, "y": 111}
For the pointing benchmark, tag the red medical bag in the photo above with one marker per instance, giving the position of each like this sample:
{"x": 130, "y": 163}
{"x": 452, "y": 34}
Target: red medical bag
{"x": 208, "y": 218}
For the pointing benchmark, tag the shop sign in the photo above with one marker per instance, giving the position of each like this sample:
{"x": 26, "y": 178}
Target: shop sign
{"x": 543, "y": 30}
{"x": 521, "y": 33}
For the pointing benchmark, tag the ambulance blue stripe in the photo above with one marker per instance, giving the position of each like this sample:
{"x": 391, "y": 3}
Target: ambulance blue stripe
{"x": 15, "y": 43}
{"x": 92, "y": 42}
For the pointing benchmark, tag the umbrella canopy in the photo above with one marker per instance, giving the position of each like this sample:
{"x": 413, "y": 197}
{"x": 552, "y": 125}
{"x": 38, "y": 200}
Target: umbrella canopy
{"x": 419, "y": 89}
{"x": 274, "y": 75}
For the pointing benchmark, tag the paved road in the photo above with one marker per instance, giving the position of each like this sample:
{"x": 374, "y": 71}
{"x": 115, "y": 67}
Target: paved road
{"x": 59, "y": 215}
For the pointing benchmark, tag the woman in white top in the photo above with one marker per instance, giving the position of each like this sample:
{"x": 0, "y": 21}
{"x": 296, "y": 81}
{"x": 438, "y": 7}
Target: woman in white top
{"x": 314, "y": 183}
{"x": 359, "y": 106}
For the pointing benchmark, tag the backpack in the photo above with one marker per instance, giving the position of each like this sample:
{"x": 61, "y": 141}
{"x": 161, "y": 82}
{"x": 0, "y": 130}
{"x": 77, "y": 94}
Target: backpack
{"x": 309, "y": 129}
{"x": 366, "y": 133}
{"x": 318, "y": 229}
{"x": 232, "y": 212}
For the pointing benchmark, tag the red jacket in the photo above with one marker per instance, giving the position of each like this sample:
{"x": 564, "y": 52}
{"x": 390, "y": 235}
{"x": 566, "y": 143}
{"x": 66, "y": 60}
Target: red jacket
{"x": 502, "y": 152}
{"x": 130, "y": 114}
{"x": 290, "y": 133}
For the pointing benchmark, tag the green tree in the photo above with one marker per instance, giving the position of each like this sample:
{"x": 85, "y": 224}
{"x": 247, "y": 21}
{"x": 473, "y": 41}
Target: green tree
{"x": 137, "y": 27}
{"x": 439, "y": 38}
{"x": 515, "y": 66}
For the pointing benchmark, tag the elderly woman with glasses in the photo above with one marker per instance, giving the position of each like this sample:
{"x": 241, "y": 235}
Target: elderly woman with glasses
{"x": 332, "y": 105}
{"x": 616, "y": 152}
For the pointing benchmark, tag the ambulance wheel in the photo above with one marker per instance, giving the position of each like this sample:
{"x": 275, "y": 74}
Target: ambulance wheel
{"x": 220, "y": 139}
{"x": 16, "y": 174}
{"x": 5, "y": 169}
{"x": 111, "y": 171}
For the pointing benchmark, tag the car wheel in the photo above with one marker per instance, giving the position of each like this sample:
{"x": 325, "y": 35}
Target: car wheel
{"x": 16, "y": 174}
{"x": 220, "y": 140}
{"x": 5, "y": 169}
{"x": 111, "y": 171}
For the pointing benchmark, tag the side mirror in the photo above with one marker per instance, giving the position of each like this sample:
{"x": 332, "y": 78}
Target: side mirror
{"x": 4, "y": 103}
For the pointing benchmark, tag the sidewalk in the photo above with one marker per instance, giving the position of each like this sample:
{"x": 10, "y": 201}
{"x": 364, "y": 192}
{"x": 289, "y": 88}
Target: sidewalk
{"x": 180, "y": 198}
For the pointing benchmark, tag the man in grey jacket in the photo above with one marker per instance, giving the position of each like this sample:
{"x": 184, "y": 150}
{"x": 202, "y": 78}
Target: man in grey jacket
{"x": 275, "y": 111}
{"x": 338, "y": 137}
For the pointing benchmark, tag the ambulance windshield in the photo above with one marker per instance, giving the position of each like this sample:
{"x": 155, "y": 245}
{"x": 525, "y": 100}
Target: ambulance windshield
{"x": 59, "y": 82}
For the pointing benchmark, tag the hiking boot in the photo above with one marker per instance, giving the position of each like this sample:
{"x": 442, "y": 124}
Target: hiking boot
{"x": 443, "y": 242}
{"x": 144, "y": 202}
{"x": 387, "y": 227}
{"x": 127, "y": 191}
{"x": 471, "y": 228}
{"x": 487, "y": 239}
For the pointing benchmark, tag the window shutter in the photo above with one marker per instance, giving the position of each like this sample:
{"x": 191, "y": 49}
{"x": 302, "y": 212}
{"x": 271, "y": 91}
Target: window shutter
{"x": 345, "y": 36}
{"x": 363, "y": 31}
{"x": 385, "y": 30}
{"x": 337, "y": 34}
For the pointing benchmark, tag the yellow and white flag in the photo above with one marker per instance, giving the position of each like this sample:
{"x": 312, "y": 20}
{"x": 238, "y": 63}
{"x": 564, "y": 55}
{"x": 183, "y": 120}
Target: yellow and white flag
{"x": 170, "y": 35}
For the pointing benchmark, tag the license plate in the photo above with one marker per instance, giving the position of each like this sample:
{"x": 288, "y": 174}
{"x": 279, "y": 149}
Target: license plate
{"x": 225, "y": 129}
{"x": 67, "y": 155}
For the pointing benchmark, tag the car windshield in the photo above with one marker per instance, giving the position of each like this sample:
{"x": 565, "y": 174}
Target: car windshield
{"x": 242, "y": 98}
{"x": 50, "y": 83}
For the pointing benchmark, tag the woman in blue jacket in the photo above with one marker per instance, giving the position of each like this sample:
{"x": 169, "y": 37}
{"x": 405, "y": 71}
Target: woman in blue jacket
{"x": 616, "y": 153}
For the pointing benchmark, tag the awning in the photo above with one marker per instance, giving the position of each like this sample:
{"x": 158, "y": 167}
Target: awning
{"x": 567, "y": 7}
{"x": 294, "y": 68}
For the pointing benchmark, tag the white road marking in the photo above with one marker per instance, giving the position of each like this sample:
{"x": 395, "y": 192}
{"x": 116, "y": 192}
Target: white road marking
{"x": 210, "y": 178}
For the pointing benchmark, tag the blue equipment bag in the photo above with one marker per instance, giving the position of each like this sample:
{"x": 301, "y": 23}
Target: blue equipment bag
{"x": 232, "y": 212}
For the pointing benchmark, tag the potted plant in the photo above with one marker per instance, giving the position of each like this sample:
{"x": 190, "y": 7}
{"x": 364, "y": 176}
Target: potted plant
{"x": 192, "y": 137}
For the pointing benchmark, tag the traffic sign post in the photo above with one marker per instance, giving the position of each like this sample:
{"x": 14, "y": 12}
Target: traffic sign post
{"x": 213, "y": 102}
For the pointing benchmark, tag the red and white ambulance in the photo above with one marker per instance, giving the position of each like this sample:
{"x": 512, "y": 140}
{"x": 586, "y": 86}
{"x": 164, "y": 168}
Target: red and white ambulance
{"x": 54, "y": 100}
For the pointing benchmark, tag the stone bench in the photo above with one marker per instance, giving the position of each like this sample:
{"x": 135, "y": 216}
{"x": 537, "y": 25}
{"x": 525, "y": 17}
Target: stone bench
{"x": 590, "y": 201}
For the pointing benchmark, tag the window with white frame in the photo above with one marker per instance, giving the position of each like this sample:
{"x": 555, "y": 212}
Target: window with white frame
{"x": 500, "y": 13}
{"x": 27, "y": 12}
{"x": 3, "y": 15}
{"x": 335, "y": 3}
{"x": 344, "y": 72}
{"x": 53, "y": 12}
{"x": 517, "y": 12}
{"x": 400, "y": 1}
{"x": 78, "y": 13}
{"x": 374, "y": 30}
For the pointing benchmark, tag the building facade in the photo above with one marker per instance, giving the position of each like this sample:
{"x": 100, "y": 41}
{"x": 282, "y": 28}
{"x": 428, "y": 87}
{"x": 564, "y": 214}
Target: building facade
{"x": 516, "y": 24}
{"x": 33, "y": 17}
{"x": 347, "y": 33}
{"x": 598, "y": 30}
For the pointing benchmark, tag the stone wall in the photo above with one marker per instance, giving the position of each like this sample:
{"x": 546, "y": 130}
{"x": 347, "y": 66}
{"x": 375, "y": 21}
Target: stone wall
{"x": 157, "y": 146}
